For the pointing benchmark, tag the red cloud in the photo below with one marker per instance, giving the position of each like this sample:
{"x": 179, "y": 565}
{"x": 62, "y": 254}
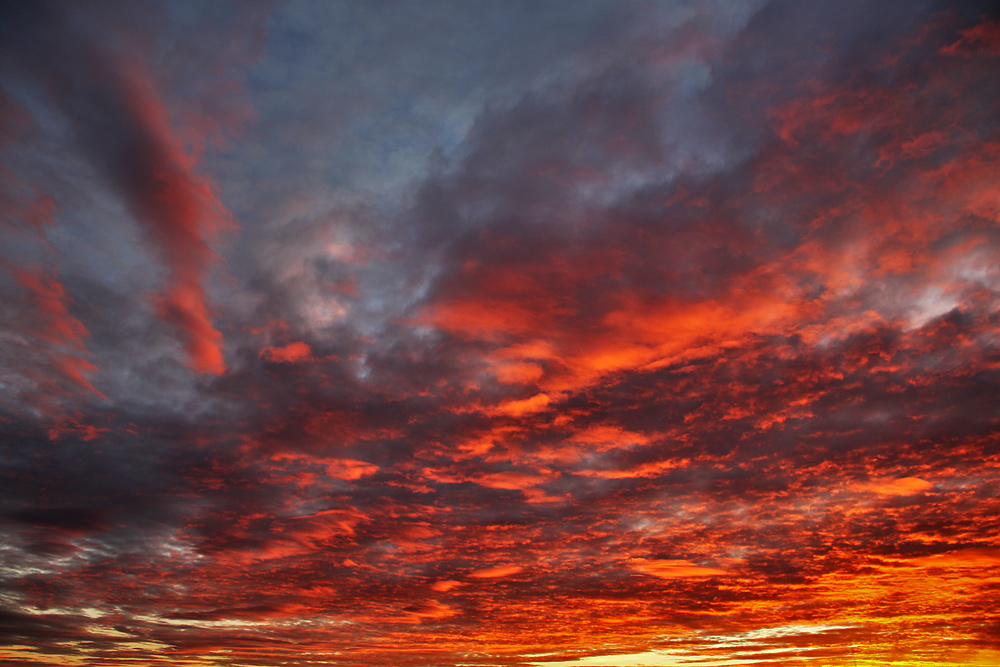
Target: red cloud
{"x": 58, "y": 327}
{"x": 982, "y": 40}
{"x": 51, "y": 299}
{"x": 297, "y": 351}
{"x": 179, "y": 209}
{"x": 761, "y": 369}
{"x": 429, "y": 609}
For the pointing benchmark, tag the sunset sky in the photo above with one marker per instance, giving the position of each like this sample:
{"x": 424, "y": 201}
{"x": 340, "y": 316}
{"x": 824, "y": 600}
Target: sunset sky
{"x": 539, "y": 334}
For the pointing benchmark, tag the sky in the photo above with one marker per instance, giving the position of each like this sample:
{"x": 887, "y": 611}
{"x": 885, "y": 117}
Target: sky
{"x": 529, "y": 334}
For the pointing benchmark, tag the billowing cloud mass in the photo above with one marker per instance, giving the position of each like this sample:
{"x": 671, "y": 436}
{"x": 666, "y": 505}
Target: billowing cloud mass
{"x": 562, "y": 334}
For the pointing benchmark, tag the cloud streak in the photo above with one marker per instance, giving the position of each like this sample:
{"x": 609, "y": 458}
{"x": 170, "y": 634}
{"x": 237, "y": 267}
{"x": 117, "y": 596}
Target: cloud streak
{"x": 124, "y": 129}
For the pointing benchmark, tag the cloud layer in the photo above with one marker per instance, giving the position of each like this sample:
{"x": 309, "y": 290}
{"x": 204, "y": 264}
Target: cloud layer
{"x": 500, "y": 334}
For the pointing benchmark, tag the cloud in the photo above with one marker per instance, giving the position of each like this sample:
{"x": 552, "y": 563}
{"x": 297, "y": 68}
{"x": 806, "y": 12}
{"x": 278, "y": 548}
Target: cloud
{"x": 903, "y": 486}
{"x": 673, "y": 568}
{"x": 982, "y": 39}
{"x": 584, "y": 333}
{"x": 524, "y": 406}
{"x": 124, "y": 127}
{"x": 429, "y": 609}
{"x": 445, "y": 585}
{"x": 295, "y": 351}
{"x": 497, "y": 571}
{"x": 61, "y": 333}
{"x": 178, "y": 208}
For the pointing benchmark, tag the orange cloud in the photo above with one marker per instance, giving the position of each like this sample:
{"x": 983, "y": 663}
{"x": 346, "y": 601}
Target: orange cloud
{"x": 509, "y": 480}
{"x": 445, "y": 585}
{"x": 336, "y": 468}
{"x": 429, "y": 609}
{"x": 903, "y": 486}
{"x": 974, "y": 558}
{"x": 517, "y": 372}
{"x": 296, "y": 351}
{"x": 673, "y": 569}
{"x": 525, "y": 406}
{"x": 496, "y": 572}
